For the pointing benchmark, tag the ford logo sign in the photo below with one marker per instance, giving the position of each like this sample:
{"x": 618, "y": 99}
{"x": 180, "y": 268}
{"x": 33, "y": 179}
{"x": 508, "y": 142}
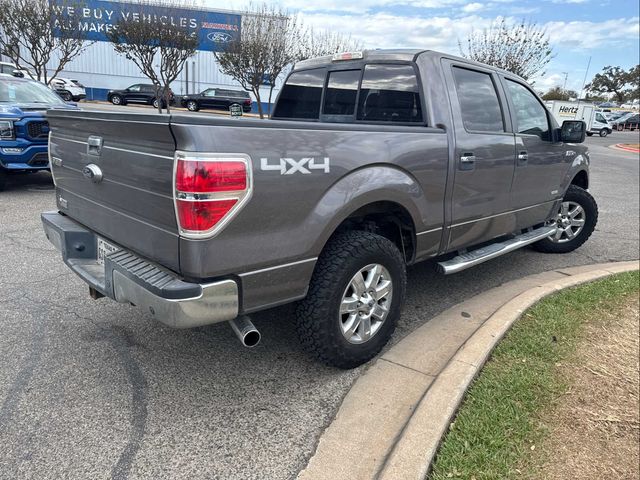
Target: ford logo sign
{"x": 220, "y": 37}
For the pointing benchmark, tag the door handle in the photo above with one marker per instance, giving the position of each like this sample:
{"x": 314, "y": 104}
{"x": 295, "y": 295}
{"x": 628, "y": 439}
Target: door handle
{"x": 467, "y": 161}
{"x": 523, "y": 157}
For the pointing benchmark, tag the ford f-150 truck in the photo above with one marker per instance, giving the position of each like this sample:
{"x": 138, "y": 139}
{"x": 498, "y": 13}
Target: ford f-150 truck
{"x": 23, "y": 126}
{"x": 371, "y": 161}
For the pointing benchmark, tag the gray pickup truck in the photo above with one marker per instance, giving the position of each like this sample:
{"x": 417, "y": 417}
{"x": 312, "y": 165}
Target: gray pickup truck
{"x": 371, "y": 161}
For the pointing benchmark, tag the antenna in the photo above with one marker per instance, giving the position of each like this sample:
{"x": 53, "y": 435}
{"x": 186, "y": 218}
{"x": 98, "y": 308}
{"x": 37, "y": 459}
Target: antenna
{"x": 584, "y": 81}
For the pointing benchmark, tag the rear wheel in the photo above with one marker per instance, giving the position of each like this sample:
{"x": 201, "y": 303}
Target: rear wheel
{"x": 354, "y": 299}
{"x": 589, "y": 134}
{"x": 575, "y": 221}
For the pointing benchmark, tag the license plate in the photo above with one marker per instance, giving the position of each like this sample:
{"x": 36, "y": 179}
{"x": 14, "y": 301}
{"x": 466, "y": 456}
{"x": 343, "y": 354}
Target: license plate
{"x": 104, "y": 249}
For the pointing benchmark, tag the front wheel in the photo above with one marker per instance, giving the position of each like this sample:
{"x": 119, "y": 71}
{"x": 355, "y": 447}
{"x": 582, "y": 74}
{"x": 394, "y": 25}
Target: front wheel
{"x": 575, "y": 221}
{"x": 604, "y": 132}
{"x": 117, "y": 100}
{"x": 3, "y": 179}
{"x": 192, "y": 106}
{"x": 66, "y": 96}
{"x": 354, "y": 299}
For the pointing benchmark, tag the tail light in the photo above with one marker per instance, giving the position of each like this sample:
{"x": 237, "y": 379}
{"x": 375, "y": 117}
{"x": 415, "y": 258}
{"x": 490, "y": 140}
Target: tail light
{"x": 209, "y": 190}
{"x": 247, "y": 101}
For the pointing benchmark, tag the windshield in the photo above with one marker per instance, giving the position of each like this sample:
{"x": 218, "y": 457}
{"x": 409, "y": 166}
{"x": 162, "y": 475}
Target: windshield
{"x": 20, "y": 91}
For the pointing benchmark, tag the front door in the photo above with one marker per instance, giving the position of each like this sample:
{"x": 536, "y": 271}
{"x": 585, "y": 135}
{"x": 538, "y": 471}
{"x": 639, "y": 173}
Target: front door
{"x": 484, "y": 157}
{"x": 541, "y": 162}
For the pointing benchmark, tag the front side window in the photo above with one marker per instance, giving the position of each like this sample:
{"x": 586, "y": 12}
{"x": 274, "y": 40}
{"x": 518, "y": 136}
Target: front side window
{"x": 342, "y": 90}
{"x": 389, "y": 93}
{"x": 210, "y": 93}
{"x": 134, "y": 88}
{"x": 531, "y": 115}
{"x": 300, "y": 96}
{"x": 479, "y": 104}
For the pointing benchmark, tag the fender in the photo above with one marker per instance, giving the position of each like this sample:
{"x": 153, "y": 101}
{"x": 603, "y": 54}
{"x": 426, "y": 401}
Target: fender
{"x": 579, "y": 164}
{"x": 373, "y": 183}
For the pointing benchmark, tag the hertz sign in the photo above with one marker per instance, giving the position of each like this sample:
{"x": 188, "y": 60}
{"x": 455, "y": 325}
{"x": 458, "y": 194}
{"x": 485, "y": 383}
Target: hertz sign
{"x": 98, "y": 17}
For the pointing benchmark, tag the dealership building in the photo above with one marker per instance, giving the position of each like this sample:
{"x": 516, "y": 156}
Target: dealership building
{"x": 101, "y": 69}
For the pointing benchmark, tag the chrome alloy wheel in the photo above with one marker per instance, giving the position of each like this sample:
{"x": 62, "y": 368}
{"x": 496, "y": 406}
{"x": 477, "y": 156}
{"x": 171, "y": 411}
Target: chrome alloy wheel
{"x": 365, "y": 303}
{"x": 569, "y": 221}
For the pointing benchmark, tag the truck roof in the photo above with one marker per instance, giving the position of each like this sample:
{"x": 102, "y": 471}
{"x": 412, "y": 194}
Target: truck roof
{"x": 400, "y": 54}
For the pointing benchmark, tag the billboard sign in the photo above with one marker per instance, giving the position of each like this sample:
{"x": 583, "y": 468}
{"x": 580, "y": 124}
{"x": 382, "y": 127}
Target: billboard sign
{"x": 97, "y": 17}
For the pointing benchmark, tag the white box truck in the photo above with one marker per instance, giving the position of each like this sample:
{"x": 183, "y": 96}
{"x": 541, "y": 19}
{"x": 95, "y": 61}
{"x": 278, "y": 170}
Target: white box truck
{"x": 596, "y": 123}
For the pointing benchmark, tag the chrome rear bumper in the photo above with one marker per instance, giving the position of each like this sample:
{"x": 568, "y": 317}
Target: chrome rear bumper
{"x": 127, "y": 278}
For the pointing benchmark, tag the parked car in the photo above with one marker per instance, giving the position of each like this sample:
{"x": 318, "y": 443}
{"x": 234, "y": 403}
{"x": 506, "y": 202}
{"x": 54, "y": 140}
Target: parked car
{"x": 371, "y": 161}
{"x": 24, "y": 129}
{"x": 70, "y": 90}
{"x": 138, "y": 93}
{"x": 607, "y": 105}
{"x": 11, "y": 69}
{"x": 219, "y": 98}
{"x": 630, "y": 120}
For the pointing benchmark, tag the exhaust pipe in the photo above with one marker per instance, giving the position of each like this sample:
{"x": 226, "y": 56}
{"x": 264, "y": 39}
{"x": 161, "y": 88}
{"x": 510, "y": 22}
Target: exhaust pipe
{"x": 246, "y": 332}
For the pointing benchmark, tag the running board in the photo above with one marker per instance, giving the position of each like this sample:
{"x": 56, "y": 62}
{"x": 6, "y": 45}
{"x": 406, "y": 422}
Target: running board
{"x": 481, "y": 255}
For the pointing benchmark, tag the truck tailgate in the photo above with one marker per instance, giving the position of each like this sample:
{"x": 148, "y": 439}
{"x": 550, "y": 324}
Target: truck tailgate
{"x": 132, "y": 205}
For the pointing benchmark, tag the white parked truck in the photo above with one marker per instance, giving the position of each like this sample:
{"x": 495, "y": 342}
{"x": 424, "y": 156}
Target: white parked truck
{"x": 595, "y": 120}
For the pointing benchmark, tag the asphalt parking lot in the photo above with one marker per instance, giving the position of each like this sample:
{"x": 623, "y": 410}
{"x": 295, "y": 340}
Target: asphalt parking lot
{"x": 95, "y": 389}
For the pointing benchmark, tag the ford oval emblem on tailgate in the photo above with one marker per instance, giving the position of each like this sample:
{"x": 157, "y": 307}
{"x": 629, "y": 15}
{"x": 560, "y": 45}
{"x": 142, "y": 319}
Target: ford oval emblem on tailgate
{"x": 92, "y": 172}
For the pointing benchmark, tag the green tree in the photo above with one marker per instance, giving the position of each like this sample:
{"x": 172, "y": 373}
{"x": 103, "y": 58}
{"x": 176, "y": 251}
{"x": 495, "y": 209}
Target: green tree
{"x": 611, "y": 80}
{"x": 557, "y": 93}
{"x": 633, "y": 78}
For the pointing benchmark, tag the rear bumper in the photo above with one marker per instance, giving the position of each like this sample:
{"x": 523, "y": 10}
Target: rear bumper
{"x": 127, "y": 278}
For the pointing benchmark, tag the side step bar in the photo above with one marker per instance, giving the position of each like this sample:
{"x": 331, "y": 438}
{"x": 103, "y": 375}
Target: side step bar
{"x": 481, "y": 255}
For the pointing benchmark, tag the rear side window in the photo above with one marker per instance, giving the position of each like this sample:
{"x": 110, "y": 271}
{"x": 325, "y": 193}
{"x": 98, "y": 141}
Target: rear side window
{"x": 342, "y": 90}
{"x": 478, "y": 99}
{"x": 389, "y": 93}
{"x": 300, "y": 96}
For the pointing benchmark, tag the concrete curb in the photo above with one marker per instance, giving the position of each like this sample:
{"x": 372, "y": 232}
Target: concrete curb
{"x": 622, "y": 147}
{"x": 391, "y": 422}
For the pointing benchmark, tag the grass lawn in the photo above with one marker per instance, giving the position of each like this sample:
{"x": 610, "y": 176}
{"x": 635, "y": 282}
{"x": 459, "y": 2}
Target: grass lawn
{"x": 498, "y": 424}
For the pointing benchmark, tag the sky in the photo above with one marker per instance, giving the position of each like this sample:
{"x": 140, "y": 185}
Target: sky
{"x": 606, "y": 30}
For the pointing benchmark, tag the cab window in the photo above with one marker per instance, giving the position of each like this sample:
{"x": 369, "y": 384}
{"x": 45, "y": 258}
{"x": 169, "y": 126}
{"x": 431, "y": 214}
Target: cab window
{"x": 389, "y": 93}
{"x": 530, "y": 115}
{"x": 479, "y": 104}
{"x": 134, "y": 88}
{"x": 300, "y": 96}
{"x": 341, "y": 93}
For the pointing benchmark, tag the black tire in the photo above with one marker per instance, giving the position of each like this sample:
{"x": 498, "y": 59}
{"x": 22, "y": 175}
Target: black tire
{"x": 155, "y": 103}
{"x": 604, "y": 132}
{"x": 66, "y": 96}
{"x": 192, "y": 106}
{"x": 3, "y": 179}
{"x": 583, "y": 198}
{"x": 589, "y": 134}
{"x": 318, "y": 317}
{"x": 117, "y": 100}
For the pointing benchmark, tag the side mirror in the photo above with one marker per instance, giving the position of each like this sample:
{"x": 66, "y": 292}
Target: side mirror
{"x": 573, "y": 131}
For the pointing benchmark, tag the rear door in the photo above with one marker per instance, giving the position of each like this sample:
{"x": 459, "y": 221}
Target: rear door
{"x": 484, "y": 156}
{"x": 541, "y": 163}
{"x": 132, "y": 205}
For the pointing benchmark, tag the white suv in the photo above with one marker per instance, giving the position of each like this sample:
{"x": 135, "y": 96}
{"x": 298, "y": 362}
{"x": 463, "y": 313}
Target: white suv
{"x": 69, "y": 90}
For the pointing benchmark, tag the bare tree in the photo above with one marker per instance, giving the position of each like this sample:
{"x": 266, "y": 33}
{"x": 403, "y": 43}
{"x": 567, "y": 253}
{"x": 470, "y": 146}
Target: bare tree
{"x": 35, "y": 32}
{"x": 159, "y": 49}
{"x": 325, "y": 42}
{"x": 522, "y": 48}
{"x": 269, "y": 41}
{"x": 272, "y": 40}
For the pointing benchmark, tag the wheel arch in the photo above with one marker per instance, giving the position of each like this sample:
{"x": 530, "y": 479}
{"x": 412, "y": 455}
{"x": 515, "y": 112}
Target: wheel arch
{"x": 581, "y": 179}
{"x": 379, "y": 199}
